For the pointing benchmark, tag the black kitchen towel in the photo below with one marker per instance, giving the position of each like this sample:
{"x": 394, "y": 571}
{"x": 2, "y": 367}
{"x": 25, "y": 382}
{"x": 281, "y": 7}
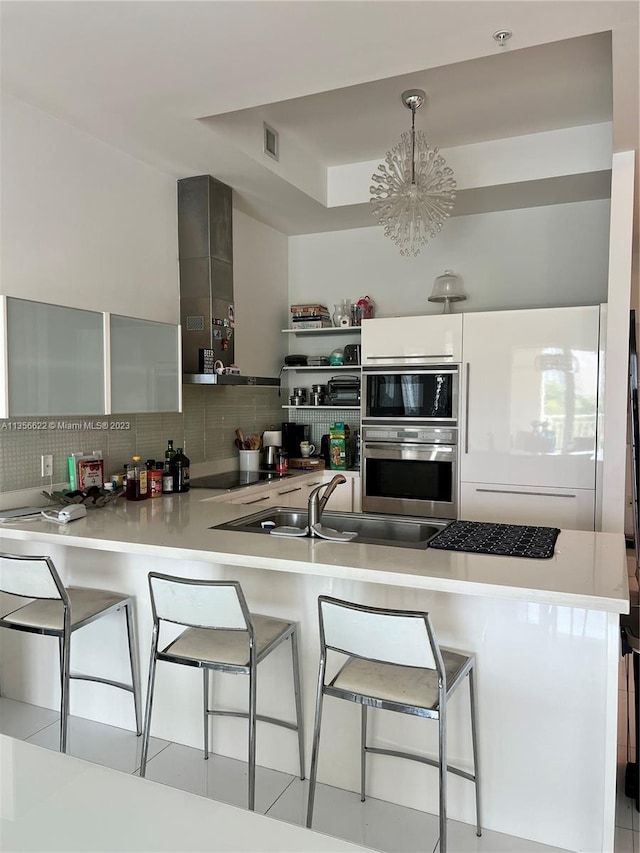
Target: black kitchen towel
{"x": 504, "y": 540}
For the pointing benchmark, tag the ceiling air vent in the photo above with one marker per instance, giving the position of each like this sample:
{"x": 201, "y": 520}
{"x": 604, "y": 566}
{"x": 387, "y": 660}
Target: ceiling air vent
{"x": 271, "y": 142}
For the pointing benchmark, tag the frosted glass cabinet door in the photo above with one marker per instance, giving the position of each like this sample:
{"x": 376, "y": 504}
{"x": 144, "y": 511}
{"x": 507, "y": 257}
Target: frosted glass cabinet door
{"x": 530, "y": 397}
{"x": 55, "y": 360}
{"x": 144, "y": 366}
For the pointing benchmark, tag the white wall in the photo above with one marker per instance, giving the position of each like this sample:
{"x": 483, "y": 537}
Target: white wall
{"x": 260, "y": 262}
{"x": 82, "y": 223}
{"x": 617, "y": 358}
{"x": 536, "y": 257}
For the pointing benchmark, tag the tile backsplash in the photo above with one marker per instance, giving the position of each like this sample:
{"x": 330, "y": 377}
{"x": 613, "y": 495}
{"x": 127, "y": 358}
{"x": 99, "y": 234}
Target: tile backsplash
{"x": 205, "y": 429}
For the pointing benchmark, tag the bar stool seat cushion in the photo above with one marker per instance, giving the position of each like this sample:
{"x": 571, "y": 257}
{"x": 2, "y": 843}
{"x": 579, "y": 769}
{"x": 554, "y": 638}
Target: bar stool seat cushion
{"x": 228, "y": 647}
{"x": 405, "y": 685}
{"x": 48, "y": 615}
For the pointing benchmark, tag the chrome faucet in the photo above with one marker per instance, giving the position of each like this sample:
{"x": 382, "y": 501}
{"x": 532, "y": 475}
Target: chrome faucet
{"x": 317, "y": 503}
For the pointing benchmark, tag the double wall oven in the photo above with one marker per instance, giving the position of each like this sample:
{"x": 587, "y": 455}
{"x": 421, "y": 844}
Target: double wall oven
{"x": 410, "y": 439}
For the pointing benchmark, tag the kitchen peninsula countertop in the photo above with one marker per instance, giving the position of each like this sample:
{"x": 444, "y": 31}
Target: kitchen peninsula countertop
{"x": 588, "y": 570}
{"x": 545, "y": 632}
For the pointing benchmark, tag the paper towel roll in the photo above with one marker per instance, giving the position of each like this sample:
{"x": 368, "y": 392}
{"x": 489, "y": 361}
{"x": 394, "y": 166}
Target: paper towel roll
{"x": 272, "y": 438}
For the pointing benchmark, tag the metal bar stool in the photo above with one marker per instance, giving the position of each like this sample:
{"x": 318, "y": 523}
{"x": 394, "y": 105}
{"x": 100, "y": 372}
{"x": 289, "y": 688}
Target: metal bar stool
{"x": 394, "y": 663}
{"x": 221, "y": 635}
{"x": 59, "y": 611}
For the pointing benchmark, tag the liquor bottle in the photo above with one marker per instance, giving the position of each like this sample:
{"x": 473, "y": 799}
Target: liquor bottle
{"x": 169, "y": 452}
{"x": 180, "y": 467}
{"x": 167, "y": 479}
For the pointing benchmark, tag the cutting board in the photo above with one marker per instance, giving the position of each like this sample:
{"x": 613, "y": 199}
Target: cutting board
{"x": 310, "y": 463}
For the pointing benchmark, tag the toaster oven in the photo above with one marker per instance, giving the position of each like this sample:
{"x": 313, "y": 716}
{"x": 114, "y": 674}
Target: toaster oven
{"x": 343, "y": 391}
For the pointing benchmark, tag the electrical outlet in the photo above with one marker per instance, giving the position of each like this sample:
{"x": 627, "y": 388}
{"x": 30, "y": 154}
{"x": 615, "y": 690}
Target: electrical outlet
{"x": 46, "y": 465}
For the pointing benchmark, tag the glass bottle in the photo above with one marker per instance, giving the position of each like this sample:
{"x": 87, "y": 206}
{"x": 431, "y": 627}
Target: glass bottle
{"x": 167, "y": 479}
{"x": 180, "y": 467}
{"x": 154, "y": 478}
{"x": 342, "y": 313}
{"x": 169, "y": 452}
{"x": 137, "y": 488}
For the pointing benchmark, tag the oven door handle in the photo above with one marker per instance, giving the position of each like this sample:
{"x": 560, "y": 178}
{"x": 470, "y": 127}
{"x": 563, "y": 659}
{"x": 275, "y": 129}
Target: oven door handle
{"x": 370, "y": 445}
{"x": 419, "y": 452}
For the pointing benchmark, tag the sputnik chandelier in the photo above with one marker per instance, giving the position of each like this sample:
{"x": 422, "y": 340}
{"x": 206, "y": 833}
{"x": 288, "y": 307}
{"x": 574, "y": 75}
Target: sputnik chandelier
{"x": 414, "y": 188}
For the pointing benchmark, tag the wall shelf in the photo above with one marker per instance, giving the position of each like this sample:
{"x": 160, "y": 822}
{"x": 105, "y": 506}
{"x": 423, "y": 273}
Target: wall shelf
{"x": 332, "y": 330}
{"x": 354, "y": 368}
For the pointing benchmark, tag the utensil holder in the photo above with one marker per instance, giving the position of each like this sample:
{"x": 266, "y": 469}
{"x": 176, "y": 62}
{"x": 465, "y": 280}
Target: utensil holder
{"x": 249, "y": 460}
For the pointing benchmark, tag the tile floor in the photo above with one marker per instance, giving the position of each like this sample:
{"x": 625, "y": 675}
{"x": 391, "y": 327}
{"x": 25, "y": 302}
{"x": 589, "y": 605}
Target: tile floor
{"x": 378, "y": 824}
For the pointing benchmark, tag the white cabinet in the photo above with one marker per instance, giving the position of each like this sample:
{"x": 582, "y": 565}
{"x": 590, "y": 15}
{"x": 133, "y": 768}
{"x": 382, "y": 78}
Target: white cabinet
{"x": 294, "y": 492}
{"x": 257, "y": 498}
{"x": 430, "y": 338}
{"x": 567, "y": 508}
{"x": 54, "y": 360}
{"x": 145, "y": 374}
{"x": 529, "y": 414}
{"x": 342, "y": 498}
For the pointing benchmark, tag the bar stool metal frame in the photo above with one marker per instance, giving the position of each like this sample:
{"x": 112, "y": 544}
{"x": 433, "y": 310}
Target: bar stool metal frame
{"x": 36, "y": 577}
{"x": 388, "y": 651}
{"x": 217, "y": 607}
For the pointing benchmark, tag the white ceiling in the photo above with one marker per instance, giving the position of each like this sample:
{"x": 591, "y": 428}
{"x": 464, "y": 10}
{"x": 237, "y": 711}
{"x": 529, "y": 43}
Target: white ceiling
{"x": 328, "y": 75}
{"x": 510, "y": 93}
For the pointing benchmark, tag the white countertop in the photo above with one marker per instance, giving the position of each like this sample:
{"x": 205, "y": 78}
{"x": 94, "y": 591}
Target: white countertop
{"x": 50, "y": 801}
{"x": 588, "y": 570}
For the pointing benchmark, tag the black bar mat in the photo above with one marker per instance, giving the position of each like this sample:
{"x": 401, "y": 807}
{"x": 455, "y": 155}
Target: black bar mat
{"x": 505, "y": 540}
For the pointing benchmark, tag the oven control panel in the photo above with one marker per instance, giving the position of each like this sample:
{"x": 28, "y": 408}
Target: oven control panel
{"x": 406, "y": 434}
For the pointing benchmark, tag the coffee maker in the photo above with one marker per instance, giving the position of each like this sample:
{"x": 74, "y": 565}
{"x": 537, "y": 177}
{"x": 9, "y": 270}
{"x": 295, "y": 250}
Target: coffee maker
{"x": 292, "y": 434}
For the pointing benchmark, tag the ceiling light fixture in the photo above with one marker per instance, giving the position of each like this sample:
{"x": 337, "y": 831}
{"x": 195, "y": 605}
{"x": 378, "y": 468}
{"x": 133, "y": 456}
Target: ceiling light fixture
{"x": 414, "y": 188}
{"x": 501, "y": 36}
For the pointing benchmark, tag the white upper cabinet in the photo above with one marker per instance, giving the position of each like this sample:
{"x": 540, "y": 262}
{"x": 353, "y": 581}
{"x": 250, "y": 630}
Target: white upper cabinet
{"x": 55, "y": 360}
{"x": 145, "y": 369}
{"x": 529, "y": 397}
{"x": 433, "y": 338}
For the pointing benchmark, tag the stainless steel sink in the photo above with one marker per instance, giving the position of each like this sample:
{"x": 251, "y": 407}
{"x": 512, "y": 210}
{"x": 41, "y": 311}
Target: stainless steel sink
{"x": 372, "y": 529}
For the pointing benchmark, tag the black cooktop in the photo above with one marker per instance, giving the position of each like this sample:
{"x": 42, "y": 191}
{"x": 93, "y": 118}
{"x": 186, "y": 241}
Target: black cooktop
{"x": 235, "y": 479}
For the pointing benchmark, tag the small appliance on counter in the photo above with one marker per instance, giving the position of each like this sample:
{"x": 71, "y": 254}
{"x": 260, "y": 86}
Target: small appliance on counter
{"x": 271, "y": 442}
{"x": 292, "y": 434}
{"x": 271, "y": 457}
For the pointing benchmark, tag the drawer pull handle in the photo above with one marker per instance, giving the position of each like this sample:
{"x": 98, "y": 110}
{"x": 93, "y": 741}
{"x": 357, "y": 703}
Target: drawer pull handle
{"x": 424, "y": 355}
{"x": 289, "y": 491}
{"x": 258, "y": 500}
{"x": 535, "y": 494}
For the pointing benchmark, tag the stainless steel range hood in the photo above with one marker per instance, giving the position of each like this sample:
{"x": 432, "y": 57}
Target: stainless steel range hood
{"x": 205, "y": 250}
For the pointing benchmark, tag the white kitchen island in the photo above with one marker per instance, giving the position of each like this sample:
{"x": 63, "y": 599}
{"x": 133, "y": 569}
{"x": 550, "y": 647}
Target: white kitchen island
{"x": 545, "y": 633}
